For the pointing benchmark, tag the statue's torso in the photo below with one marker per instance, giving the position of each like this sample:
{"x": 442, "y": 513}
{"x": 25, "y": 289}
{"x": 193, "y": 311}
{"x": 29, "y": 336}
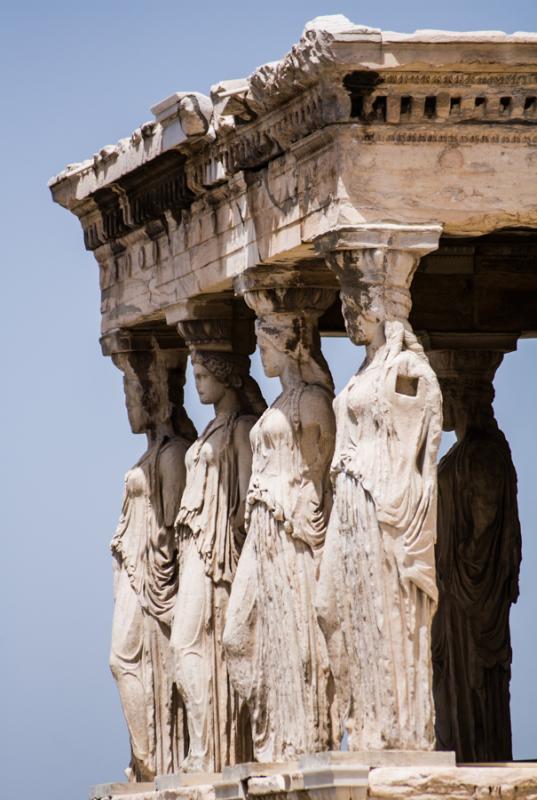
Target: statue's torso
{"x": 294, "y": 488}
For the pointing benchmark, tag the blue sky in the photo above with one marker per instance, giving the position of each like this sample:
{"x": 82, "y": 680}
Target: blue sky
{"x": 73, "y": 77}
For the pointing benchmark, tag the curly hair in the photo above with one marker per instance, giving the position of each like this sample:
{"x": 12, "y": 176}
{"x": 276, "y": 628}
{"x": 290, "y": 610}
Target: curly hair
{"x": 233, "y": 371}
{"x": 298, "y": 337}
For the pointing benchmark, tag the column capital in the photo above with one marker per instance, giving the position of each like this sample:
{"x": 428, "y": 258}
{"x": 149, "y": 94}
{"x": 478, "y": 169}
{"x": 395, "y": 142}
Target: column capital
{"x": 471, "y": 366}
{"x": 307, "y": 290}
{"x": 433, "y": 340}
{"x": 418, "y": 239}
{"x": 214, "y": 322}
{"x": 141, "y": 340}
{"x": 308, "y": 274}
{"x": 375, "y": 263}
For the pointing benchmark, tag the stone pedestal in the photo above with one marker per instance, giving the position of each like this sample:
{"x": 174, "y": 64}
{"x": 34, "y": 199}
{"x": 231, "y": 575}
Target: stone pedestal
{"x": 375, "y": 775}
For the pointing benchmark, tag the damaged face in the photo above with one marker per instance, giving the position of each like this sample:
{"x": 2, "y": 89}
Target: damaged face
{"x": 134, "y": 400}
{"x": 209, "y": 388}
{"x": 361, "y": 321}
{"x": 271, "y": 357}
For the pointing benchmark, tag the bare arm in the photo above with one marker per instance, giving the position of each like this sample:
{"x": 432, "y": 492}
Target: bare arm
{"x": 318, "y": 430}
{"x": 115, "y": 573}
{"x": 172, "y": 474}
{"x": 243, "y": 454}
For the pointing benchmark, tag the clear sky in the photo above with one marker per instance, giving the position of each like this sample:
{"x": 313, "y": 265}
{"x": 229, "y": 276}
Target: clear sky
{"x": 75, "y": 76}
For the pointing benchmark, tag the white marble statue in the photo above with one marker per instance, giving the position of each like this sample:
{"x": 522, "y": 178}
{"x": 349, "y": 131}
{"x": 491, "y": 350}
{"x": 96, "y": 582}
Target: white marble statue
{"x": 210, "y": 534}
{"x": 377, "y": 591}
{"x": 145, "y": 560}
{"x": 478, "y": 557}
{"x": 275, "y": 651}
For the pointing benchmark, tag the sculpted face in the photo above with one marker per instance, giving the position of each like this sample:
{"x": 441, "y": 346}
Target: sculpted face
{"x": 271, "y": 357}
{"x": 360, "y": 322}
{"x": 209, "y": 388}
{"x": 138, "y": 418}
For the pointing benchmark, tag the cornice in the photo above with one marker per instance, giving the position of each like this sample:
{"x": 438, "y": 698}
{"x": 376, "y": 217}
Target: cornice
{"x": 426, "y": 87}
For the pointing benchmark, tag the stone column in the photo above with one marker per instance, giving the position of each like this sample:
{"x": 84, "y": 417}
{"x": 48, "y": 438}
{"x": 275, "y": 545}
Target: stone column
{"x": 377, "y": 590}
{"x": 478, "y": 555}
{"x": 153, "y": 365}
{"x": 276, "y": 654}
{"x": 210, "y": 530}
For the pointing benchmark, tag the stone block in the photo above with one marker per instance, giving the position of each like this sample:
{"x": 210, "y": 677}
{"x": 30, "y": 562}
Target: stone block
{"x": 475, "y": 782}
{"x": 136, "y": 791}
{"x": 378, "y": 758}
{"x": 178, "y": 780}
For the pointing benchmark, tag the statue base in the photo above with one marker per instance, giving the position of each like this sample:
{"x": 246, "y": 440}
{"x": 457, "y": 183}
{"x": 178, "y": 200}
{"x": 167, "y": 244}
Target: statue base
{"x": 369, "y": 775}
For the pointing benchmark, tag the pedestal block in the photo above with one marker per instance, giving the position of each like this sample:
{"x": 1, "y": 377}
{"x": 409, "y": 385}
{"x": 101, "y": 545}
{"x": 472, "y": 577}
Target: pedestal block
{"x": 368, "y": 775}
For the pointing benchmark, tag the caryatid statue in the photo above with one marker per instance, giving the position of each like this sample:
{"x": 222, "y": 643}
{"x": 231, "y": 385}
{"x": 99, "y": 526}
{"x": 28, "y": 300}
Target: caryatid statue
{"x": 478, "y": 555}
{"x": 276, "y": 654}
{"x": 210, "y": 534}
{"x": 377, "y": 590}
{"x": 144, "y": 549}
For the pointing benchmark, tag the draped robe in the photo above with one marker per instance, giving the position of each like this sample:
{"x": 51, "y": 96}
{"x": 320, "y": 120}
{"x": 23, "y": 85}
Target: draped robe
{"x": 478, "y": 559}
{"x": 275, "y": 650}
{"x": 145, "y": 586}
{"x": 377, "y": 591}
{"x": 209, "y": 541}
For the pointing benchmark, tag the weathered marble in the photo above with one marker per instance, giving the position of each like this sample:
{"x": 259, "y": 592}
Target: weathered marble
{"x": 478, "y": 783}
{"x": 478, "y": 555}
{"x": 274, "y": 647}
{"x": 336, "y": 168}
{"x": 354, "y": 776}
{"x": 377, "y": 590}
{"x": 331, "y": 135}
{"x": 210, "y": 534}
{"x": 145, "y": 568}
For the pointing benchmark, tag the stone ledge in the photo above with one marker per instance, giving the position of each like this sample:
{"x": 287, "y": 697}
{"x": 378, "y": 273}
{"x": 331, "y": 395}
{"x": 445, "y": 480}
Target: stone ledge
{"x": 117, "y": 790}
{"x": 505, "y": 782}
{"x": 379, "y": 758}
{"x": 374, "y": 775}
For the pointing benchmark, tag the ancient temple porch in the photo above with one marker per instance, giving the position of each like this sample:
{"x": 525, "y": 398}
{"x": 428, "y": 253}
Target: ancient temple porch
{"x": 416, "y": 151}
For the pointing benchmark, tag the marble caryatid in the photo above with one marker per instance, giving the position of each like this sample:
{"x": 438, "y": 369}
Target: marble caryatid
{"x": 275, "y": 650}
{"x": 145, "y": 564}
{"x": 210, "y": 535}
{"x": 478, "y": 557}
{"x": 377, "y": 591}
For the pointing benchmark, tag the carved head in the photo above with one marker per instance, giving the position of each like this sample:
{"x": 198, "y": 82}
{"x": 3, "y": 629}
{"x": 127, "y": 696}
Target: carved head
{"x": 218, "y": 372}
{"x": 210, "y": 390}
{"x": 466, "y": 397}
{"x": 153, "y": 381}
{"x": 287, "y": 329}
{"x": 466, "y": 380}
{"x": 375, "y": 288}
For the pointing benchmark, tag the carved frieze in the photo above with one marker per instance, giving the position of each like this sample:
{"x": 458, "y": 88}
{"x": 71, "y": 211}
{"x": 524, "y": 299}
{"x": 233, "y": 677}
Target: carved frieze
{"x": 139, "y": 200}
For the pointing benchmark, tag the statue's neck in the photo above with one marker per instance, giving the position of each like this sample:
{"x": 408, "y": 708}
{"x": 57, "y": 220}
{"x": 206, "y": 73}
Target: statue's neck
{"x": 163, "y": 430}
{"x": 227, "y": 405}
{"x": 378, "y": 340}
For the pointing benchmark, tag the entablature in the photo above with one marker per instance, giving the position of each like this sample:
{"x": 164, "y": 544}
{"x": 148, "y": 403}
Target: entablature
{"x": 353, "y": 126}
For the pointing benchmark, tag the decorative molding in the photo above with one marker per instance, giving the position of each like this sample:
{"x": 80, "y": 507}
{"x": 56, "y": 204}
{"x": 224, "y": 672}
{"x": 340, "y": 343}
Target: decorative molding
{"x": 138, "y": 200}
{"x": 368, "y": 136}
{"x": 144, "y": 338}
{"x": 459, "y": 78}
